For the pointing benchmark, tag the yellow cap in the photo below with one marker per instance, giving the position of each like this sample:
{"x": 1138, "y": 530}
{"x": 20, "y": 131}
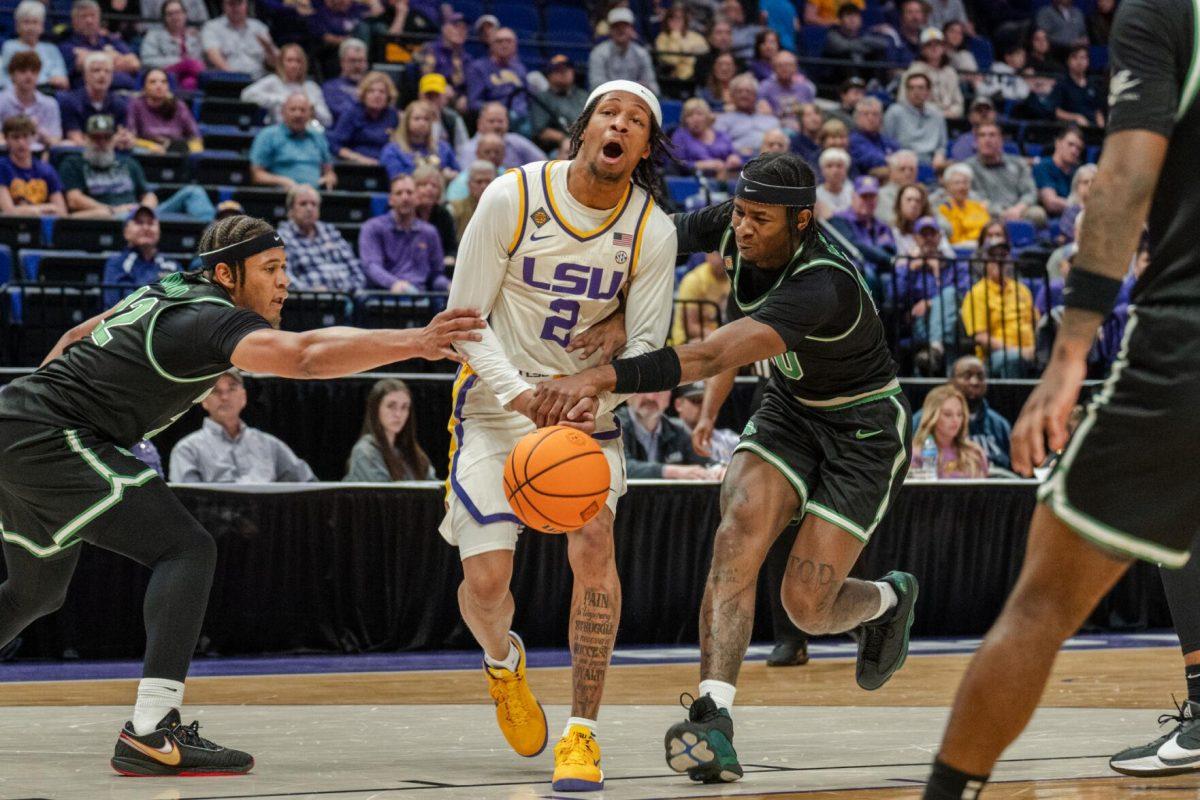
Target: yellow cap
{"x": 433, "y": 82}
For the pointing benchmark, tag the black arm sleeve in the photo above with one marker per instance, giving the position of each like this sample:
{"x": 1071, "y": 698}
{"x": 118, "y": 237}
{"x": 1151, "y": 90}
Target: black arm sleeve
{"x": 1151, "y": 50}
{"x": 199, "y": 338}
{"x": 808, "y": 302}
{"x": 701, "y": 231}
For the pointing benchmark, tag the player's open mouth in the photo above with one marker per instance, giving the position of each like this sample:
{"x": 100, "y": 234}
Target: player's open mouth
{"x": 612, "y": 152}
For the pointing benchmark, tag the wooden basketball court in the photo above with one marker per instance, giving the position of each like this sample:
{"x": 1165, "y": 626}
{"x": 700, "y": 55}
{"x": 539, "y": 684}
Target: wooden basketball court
{"x": 804, "y": 732}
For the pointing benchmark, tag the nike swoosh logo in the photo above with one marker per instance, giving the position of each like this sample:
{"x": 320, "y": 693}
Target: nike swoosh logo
{"x": 861, "y": 434}
{"x": 1190, "y": 675}
{"x": 533, "y": 237}
{"x": 170, "y": 756}
{"x": 1172, "y": 753}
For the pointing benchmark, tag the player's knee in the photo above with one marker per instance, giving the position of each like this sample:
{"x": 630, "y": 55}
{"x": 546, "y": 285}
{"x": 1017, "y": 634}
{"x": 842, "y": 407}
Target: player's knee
{"x": 742, "y": 532}
{"x": 30, "y": 602}
{"x": 808, "y": 611}
{"x": 201, "y": 548}
{"x": 590, "y": 552}
{"x": 487, "y": 587}
{"x": 1038, "y": 613}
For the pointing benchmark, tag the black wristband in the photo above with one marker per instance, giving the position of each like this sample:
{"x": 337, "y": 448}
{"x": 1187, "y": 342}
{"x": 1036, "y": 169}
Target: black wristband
{"x": 1090, "y": 291}
{"x": 653, "y": 372}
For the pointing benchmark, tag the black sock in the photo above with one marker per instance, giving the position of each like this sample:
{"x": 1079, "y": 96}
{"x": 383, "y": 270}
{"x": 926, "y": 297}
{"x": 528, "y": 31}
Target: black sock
{"x": 1192, "y": 673}
{"x": 947, "y": 783}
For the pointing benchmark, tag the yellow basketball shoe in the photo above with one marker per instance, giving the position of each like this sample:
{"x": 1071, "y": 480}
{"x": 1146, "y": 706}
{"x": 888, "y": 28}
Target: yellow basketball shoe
{"x": 577, "y": 762}
{"x": 519, "y": 713}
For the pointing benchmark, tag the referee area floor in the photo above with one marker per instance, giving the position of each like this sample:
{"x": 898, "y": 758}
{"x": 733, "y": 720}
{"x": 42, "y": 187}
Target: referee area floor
{"x": 420, "y": 725}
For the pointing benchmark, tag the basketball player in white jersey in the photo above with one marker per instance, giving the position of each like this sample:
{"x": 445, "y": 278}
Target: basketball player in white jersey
{"x": 550, "y": 251}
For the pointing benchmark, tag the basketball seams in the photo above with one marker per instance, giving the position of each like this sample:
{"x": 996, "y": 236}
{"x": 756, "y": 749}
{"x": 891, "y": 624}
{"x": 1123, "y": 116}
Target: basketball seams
{"x": 522, "y": 493}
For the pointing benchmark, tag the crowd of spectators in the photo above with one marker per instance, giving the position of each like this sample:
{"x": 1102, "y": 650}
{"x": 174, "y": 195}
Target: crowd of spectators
{"x": 950, "y": 141}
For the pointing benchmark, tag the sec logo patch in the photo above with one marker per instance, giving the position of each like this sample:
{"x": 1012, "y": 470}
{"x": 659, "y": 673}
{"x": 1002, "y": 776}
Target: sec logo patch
{"x": 622, "y": 256}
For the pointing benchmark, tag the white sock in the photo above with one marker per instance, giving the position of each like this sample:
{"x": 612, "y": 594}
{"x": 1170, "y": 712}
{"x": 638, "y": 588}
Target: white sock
{"x": 590, "y": 724}
{"x": 721, "y": 692}
{"x": 509, "y": 662}
{"x": 887, "y": 600}
{"x": 155, "y": 697}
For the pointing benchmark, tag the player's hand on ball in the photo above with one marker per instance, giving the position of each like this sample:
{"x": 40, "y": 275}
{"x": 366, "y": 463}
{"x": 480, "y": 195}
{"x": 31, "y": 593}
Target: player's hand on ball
{"x": 1043, "y": 420}
{"x": 436, "y": 339}
{"x": 607, "y": 336}
{"x": 584, "y": 418}
{"x": 559, "y": 399}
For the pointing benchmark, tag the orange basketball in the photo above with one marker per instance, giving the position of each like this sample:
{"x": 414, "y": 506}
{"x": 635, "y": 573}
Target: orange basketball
{"x": 556, "y": 479}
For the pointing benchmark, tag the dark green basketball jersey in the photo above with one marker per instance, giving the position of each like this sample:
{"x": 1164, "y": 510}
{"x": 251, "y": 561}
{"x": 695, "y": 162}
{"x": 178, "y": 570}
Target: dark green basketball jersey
{"x": 817, "y": 303}
{"x": 160, "y": 351}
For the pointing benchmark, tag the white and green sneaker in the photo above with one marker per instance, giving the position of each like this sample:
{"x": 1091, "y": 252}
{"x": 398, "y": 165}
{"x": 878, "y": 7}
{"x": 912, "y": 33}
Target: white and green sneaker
{"x": 1171, "y": 754}
{"x": 883, "y": 643}
{"x": 702, "y": 745}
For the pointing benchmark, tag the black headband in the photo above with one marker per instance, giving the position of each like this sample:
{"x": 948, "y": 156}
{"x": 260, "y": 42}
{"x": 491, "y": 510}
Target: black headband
{"x": 241, "y": 251}
{"x": 768, "y": 194}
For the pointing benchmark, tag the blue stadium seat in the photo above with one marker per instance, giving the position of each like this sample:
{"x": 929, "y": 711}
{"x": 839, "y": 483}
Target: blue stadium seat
{"x": 531, "y": 55}
{"x": 1033, "y": 150}
{"x": 671, "y": 110}
{"x": 5, "y": 263}
{"x": 524, "y": 19}
{"x": 63, "y": 266}
{"x": 1012, "y": 148}
{"x": 93, "y": 235}
{"x": 566, "y": 23}
{"x": 19, "y": 232}
{"x": 471, "y": 9}
{"x": 982, "y": 50}
{"x": 925, "y": 174}
{"x": 1021, "y": 233}
{"x": 1093, "y": 154}
{"x": 682, "y": 187}
{"x": 1098, "y": 58}
{"x": 813, "y": 39}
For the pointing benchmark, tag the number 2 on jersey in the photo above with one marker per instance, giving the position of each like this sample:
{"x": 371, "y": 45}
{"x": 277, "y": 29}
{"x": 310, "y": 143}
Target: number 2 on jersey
{"x": 566, "y": 314}
{"x": 136, "y": 309}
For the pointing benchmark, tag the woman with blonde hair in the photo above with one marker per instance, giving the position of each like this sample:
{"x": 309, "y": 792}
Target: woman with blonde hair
{"x": 418, "y": 141}
{"x": 1081, "y": 187}
{"x": 833, "y": 133}
{"x": 367, "y": 126}
{"x": 388, "y": 450}
{"x": 430, "y": 187}
{"x": 678, "y": 45}
{"x": 291, "y": 77}
{"x": 700, "y": 146}
{"x": 944, "y": 418}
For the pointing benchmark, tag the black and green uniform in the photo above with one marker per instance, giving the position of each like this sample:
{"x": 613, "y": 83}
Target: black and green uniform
{"x": 64, "y": 458}
{"x": 1127, "y": 480}
{"x": 67, "y": 476}
{"x": 833, "y": 420}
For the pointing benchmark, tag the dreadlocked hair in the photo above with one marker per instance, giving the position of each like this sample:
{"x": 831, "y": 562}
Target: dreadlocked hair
{"x": 787, "y": 169}
{"x": 649, "y": 171}
{"x": 230, "y": 231}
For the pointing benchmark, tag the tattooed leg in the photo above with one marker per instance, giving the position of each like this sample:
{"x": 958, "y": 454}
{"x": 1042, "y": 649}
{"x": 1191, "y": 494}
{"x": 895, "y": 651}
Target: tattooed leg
{"x": 818, "y": 596}
{"x": 756, "y": 504}
{"x": 595, "y": 611}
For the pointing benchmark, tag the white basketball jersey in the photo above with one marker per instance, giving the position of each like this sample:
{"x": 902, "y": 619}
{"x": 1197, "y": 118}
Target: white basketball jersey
{"x": 542, "y": 267}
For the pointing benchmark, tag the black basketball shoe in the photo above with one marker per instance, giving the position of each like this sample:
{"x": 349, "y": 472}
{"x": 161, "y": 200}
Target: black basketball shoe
{"x": 175, "y": 750}
{"x": 702, "y": 745}
{"x": 883, "y": 643}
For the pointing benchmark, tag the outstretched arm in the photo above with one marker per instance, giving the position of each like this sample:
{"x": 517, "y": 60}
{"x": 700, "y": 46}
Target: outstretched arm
{"x": 334, "y": 352}
{"x": 729, "y": 347}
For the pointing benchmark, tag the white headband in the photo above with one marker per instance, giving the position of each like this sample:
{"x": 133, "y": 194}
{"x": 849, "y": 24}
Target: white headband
{"x": 636, "y": 89}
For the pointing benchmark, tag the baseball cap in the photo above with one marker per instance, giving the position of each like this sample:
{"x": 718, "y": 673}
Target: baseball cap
{"x": 998, "y": 250}
{"x": 866, "y": 184}
{"x": 931, "y": 35}
{"x": 132, "y": 215}
{"x": 560, "y": 61}
{"x": 926, "y": 223}
{"x": 485, "y": 20}
{"x": 229, "y": 208}
{"x": 620, "y": 14}
{"x": 455, "y": 16}
{"x": 691, "y": 390}
{"x": 434, "y": 82}
{"x": 100, "y": 123}
{"x": 982, "y": 100}
{"x": 854, "y": 82}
